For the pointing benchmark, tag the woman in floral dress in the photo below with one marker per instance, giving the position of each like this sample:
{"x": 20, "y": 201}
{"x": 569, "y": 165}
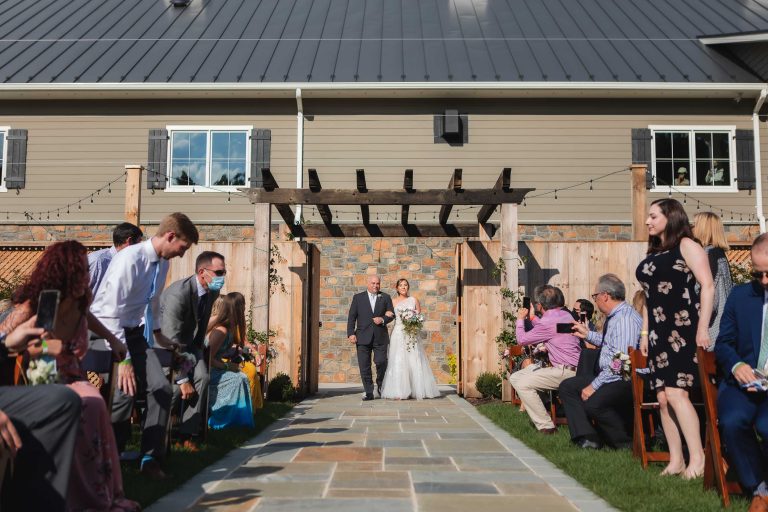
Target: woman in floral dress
{"x": 676, "y": 321}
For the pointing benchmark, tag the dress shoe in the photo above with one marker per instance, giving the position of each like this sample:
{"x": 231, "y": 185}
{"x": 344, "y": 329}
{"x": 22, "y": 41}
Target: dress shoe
{"x": 151, "y": 469}
{"x": 587, "y": 444}
{"x": 548, "y": 431}
{"x": 378, "y": 391}
{"x": 759, "y": 504}
{"x": 367, "y": 397}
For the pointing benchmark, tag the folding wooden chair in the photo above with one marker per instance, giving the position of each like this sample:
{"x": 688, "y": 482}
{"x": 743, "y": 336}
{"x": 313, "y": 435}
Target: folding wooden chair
{"x": 514, "y": 351}
{"x": 99, "y": 361}
{"x": 715, "y": 465}
{"x": 643, "y": 409}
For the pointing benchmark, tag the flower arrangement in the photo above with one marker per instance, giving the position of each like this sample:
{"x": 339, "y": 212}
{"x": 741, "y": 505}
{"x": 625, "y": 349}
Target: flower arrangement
{"x": 620, "y": 365}
{"x": 413, "y": 322}
{"x": 185, "y": 362}
{"x": 42, "y": 371}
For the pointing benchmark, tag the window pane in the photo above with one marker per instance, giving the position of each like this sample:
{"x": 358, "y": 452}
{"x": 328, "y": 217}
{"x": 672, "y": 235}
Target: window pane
{"x": 663, "y": 173}
{"x": 680, "y": 146}
{"x": 682, "y": 173}
{"x": 714, "y": 173}
{"x": 219, "y": 175}
{"x": 720, "y": 147}
{"x": 198, "y": 144}
{"x": 219, "y": 144}
{"x": 228, "y": 159}
{"x": 703, "y": 145}
{"x": 237, "y": 141}
{"x": 237, "y": 173}
{"x": 663, "y": 145}
{"x": 180, "y": 145}
{"x": 188, "y": 172}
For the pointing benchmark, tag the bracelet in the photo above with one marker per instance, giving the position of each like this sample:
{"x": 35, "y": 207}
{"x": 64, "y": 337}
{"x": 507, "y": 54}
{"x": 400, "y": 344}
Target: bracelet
{"x": 125, "y": 362}
{"x": 643, "y": 333}
{"x": 45, "y": 346}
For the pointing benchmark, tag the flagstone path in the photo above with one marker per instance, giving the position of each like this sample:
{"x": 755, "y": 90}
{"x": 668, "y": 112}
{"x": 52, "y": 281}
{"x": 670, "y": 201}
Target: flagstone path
{"x": 334, "y": 452}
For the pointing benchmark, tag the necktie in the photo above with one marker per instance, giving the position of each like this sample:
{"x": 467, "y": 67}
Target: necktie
{"x": 148, "y": 321}
{"x": 201, "y": 322}
{"x": 763, "y": 357}
{"x": 372, "y": 298}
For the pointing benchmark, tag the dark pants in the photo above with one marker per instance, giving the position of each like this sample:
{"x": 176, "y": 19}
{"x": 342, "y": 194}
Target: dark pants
{"x": 610, "y": 406}
{"x": 193, "y": 409}
{"x": 741, "y": 414}
{"x": 364, "y": 362}
{"x": 151, "y": 385}
{"x": 46, "y": 418}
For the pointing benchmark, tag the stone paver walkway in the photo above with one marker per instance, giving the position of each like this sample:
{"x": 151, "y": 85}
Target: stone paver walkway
{"x": 336, "y": 453}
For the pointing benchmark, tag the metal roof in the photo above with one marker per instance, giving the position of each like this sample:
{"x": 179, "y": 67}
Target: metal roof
{"x": 372, "y": 41}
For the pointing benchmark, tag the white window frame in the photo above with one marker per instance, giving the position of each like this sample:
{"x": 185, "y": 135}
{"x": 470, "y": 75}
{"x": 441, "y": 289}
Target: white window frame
{"x": 691, "y": 129}
{"x": 4, "y": 171}
{"x": 169, "y": 187}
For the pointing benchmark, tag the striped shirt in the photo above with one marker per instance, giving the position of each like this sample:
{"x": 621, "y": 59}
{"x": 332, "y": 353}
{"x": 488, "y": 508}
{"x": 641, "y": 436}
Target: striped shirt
{"x": 622, "y": 332}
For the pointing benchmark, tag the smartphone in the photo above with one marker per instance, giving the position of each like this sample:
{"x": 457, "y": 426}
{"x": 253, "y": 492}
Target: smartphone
{"x": 527, "y": 303}
{"x": 564, "y": 328}
{"x": 583, "y": 317}
{"x": 47, "y": 306}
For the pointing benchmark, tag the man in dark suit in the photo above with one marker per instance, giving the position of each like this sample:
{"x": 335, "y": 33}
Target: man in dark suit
{"x": 369, "y": 315}
{"x": 742, "y": 346}
{"x": 186, "y": 308}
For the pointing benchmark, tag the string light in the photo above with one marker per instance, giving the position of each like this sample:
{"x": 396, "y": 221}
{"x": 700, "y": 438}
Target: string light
{"x": 590, "y": 185}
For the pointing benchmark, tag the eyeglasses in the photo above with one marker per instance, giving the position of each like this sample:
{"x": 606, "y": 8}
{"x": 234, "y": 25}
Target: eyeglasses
{"x": 758, "y": 274}
{"x": 596, "y": 295}
{"x": 218, "y": 273}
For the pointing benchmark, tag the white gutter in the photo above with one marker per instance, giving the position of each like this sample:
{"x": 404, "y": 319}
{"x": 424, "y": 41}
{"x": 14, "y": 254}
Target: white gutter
{"x": 735, "y": 39}
{"x": 299, "y": 148}
{"x": 758, "y": 170}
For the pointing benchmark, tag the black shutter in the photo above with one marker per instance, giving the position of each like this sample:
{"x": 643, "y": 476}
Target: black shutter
{"x": 641, "y": 152}
{"x": 157, "y": 159}
{"x": 745, "y": 160}
{"x": 16, "y": 166}
{"x": 261, "y": 142}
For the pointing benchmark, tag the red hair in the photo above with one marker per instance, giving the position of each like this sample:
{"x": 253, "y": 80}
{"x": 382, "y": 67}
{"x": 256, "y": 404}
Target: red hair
{"x": 63, "y": 267}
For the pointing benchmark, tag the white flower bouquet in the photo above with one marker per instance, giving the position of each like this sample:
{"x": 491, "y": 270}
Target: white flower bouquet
{"x": 620, "y": 365}
{"x": 413, "y": 322}
{"x": 42, "y": 371}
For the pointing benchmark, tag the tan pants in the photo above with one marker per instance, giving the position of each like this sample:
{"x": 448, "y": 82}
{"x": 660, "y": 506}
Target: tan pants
{"x": 532, "y": 379}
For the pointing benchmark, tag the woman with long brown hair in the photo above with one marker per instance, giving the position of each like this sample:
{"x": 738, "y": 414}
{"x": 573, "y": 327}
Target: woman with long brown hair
{"x": 249, "y": 368}
{"x": 676, "y": 321}
{"x": 229, "y": 390}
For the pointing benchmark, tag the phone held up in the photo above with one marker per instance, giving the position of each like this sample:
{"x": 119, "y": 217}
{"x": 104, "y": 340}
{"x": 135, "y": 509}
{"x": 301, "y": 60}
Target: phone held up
{"x": 564, "y": 328}
{"x": 583, "y": 317}
{"x": 47, "y": 307}
{"x": 527, "y": 303}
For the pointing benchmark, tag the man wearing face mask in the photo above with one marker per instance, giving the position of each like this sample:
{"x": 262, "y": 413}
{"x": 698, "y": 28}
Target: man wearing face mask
{"x": 186, "y": 308}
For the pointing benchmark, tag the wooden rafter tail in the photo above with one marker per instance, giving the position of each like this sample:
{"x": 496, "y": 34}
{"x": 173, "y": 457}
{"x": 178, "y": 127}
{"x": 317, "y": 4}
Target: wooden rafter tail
{"x": 455, "y": 184}
{"x": 315, "y": 186}
{"x": 502, "y": 183}
{"x": 408, "y": 187}
{"x": 270, "y": 183}
{"x": 365, "y": 212}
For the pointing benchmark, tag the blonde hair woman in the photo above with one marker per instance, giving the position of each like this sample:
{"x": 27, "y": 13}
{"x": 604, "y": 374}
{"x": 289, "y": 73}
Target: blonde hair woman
{"x": 709, "y": 231}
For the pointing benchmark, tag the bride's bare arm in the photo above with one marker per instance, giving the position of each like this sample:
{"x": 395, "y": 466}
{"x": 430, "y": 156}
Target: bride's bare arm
{"x": 417, "y": 306}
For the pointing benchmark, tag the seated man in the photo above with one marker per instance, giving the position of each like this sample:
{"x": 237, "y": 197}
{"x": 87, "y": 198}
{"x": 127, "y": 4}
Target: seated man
{"x": 741, "y": 346}
{"x": 563, "y": 350}
{"x": 604, "y": 396}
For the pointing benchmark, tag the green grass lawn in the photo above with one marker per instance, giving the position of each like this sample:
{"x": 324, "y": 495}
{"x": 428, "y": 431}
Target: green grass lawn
{"x": 614, "y": 475}
{"x": 183, "y": 465}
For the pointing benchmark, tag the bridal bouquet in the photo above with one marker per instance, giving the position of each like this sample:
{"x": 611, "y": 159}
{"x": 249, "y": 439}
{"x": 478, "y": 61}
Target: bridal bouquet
{"x": 413, "y": 322}
{"x": 620, "y": 365}
{"x": 42, "y": 371}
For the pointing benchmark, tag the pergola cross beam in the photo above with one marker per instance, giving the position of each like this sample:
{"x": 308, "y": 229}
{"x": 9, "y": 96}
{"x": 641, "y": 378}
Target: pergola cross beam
{"x": 455, "y": 184}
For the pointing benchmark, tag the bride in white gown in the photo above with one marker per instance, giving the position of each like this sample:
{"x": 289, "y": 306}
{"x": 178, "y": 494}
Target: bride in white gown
{"x": 408, "y": 373}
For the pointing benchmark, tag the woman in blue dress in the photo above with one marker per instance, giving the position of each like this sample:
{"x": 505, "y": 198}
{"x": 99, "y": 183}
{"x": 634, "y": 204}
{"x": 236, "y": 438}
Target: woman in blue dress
{"x": 230, "y": 398}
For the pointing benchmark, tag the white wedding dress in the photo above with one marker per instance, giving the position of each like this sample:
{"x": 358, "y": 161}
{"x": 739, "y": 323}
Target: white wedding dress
{"x": 408, "y": 373}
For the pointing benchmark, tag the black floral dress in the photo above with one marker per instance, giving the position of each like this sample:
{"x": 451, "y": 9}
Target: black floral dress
{"x": 673, "y": 314}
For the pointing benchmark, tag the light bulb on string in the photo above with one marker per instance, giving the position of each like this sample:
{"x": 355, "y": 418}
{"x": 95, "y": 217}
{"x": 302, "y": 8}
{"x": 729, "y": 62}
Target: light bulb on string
{"x": 555, "y": 193}
{"x": 58, "y": 215}
{"x": 67, "y": 209}
{"x": 229, "y": 197}
{"x": 685, "y": 199}
{"x": 78, "y": 206}
{"x": 109, "y": 188}
{"x": 590, "y": 185}
{"x": 193, "y": 190}
{"x": 669, "y": 194}
{"x": 698, "y": 205}
{"x": 91, "y": 198}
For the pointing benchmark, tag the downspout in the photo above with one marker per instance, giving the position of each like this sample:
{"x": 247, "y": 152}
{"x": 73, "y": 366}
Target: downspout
{"x": 299, "y": 148}
{"x": 758, "y": 170}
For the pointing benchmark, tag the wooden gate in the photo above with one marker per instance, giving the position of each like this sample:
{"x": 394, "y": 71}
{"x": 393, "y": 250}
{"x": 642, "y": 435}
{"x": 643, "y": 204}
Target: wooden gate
{"x": 293, "y": 313}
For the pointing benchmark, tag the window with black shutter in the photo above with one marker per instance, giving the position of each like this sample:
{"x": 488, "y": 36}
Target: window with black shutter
{"x": 14, "y": 158}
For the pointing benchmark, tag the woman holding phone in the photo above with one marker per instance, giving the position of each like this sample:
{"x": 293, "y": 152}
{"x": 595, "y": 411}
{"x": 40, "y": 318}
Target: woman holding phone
{"x": 95, "y": 481}
{"x": 676, "y": 321}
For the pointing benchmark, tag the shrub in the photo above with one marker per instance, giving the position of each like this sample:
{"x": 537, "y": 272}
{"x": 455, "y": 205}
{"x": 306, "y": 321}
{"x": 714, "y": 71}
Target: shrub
{"x": 489, "y": 385}
{"x": 280, "y": 389}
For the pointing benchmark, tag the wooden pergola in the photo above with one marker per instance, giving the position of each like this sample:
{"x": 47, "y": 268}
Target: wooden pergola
{"x": 266, "y": 193}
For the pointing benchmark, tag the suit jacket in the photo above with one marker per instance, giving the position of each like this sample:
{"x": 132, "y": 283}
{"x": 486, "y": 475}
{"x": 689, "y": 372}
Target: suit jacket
{"x": 740, "y": 326}
{"x": 179, "y": 310}
{"x": 360, "y": 313}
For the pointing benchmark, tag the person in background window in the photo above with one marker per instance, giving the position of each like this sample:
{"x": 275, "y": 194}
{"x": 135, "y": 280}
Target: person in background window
{"x": 682, "y": 177}
{"x": 715, "y": 175}
{"x": 123, "y": 235}
{"x": 708, "y": 230}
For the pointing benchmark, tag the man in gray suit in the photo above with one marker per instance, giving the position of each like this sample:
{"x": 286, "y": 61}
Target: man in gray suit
{"x": 186, "y": 308}
{"x": 369, "y": 315}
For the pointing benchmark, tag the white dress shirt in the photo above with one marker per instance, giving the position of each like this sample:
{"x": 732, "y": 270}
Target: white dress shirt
{"x": 124, "y": 292}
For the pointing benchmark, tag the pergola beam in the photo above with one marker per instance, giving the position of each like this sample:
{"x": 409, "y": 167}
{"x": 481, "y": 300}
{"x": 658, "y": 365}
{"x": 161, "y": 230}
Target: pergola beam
{"x": 455, "y": 184}
{"x": 270, "y": 185}
{"x": 408, "y": 187}
{"x": 502, "y": 183}
{"x": 463, "y": 230}
{"x": 322, "y": 209}
{"x": 361, "y": 187}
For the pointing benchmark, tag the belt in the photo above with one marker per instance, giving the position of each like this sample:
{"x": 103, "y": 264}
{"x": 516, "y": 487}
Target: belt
{"x": 565, "y": 367}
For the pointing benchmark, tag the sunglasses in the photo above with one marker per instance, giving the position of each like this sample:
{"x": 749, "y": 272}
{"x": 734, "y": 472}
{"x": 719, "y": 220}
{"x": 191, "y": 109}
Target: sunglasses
{"x": 218, "y": 273}
{"x": 758, "y": 274}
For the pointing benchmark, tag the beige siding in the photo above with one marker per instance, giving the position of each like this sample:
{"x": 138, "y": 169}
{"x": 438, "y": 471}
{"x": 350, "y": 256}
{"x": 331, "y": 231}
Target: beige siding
{"x": 71, "y": 155}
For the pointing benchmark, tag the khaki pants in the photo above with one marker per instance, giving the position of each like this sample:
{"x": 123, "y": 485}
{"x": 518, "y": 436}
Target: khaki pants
{"x": 529, "y": 381}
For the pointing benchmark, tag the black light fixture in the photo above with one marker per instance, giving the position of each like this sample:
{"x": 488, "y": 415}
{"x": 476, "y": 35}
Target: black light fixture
{"x": 180, "y": 3}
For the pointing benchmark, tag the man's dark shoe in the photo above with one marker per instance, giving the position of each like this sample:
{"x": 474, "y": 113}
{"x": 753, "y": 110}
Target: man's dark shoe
{"x": 548, "y": 431}
{"x": 368, "y": 396}
{"x": 623, "y": 446}
{"x": 588, "y": 445}
{"x": 151, "y": 469}
{"x": 378, "y": 391}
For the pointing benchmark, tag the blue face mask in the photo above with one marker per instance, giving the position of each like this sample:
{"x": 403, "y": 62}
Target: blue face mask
{"x": 216, "y": 284}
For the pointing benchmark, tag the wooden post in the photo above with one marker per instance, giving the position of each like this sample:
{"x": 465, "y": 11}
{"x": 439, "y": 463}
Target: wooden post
{"x": 133, "y": 194}
{"x": 262, "y": 221}
{"x": 509, "y": 255}
{"x": 639, "y": 198}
